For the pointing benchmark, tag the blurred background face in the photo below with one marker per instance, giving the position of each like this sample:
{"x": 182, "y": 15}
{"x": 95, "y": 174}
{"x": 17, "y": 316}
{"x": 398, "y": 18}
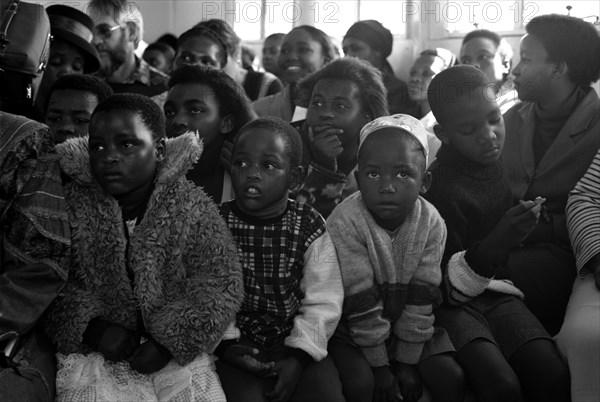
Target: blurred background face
{"x": 483, "y": 54}
{"x": 158, "y": 60}
{"x": 270, "y": 54}
{"x": 353, "y": 47}
{"x": 300, "y": 55}
{"x": 199, "y": 50}
{"x": 421, "y": 74}
{"x": 112, "y": 40}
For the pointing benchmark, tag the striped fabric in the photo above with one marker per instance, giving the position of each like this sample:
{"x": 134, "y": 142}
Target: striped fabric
{"x": 583, "y": 216}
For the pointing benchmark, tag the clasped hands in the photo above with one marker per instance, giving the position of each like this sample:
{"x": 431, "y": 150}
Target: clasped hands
{"x": 117, "y": 343}
{"x": 287, "y": 370}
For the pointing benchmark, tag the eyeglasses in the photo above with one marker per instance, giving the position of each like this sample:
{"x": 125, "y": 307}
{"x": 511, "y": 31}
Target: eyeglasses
{"x": 105, "y": 31}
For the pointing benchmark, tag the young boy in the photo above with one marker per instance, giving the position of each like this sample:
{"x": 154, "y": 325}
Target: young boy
{"x": 503, "y": 348}
{"x": 293, "y": 288}
{"x": 152, "y": 260}
{"x": 389, "y": 242}
{"x": 71, "y": 102}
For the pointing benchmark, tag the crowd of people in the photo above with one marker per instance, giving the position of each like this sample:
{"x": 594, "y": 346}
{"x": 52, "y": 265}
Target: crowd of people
{"x": 178, "y": 224}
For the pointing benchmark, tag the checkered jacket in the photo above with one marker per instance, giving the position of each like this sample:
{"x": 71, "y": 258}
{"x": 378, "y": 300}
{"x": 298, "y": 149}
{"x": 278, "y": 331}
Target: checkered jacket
{"x": 292, "y": 281}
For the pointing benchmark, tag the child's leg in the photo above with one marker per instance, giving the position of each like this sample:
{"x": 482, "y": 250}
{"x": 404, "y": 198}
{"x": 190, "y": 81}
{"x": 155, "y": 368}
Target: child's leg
{"x": 488, "y": 374}
{"x": 320, "y": 381}
{"x": 242, "y": 386}
{"x": 355, "y": 373}
{"x": 443, "y": 377}
{"x": 543, "y": 373}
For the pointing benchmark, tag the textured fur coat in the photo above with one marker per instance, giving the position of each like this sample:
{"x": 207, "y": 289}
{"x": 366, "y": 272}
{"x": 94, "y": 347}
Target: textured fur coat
{"x": 187, "y": 282}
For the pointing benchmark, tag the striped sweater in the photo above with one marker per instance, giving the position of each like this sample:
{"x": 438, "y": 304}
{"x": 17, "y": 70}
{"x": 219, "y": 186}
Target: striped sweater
{"x": 583, "y": 216}
{"x": 390, "y": 281}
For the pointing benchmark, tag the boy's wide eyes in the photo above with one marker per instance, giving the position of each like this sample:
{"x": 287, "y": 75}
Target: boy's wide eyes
{"x": 372, "y": 175}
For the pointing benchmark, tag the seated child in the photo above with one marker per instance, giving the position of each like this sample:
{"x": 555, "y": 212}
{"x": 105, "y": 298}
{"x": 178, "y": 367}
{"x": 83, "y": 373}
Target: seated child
{"x": 154, "y": 276}
{"x": 389, "y": 243}
{"x": 71, "y": 102}
{"x": 341, "y": 98}
{"x": 503, "y": 348}
{"x": 209, "y": 102}
{"x": 293, "y": 288}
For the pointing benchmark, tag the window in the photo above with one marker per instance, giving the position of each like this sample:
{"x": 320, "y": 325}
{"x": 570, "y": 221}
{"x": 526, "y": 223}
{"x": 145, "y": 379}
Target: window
{"x": 258, "y": 19}
{"x": 502, "y": 15}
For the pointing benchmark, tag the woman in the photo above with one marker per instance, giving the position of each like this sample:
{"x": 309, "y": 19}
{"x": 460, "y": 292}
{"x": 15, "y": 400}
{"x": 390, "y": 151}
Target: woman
{"x": 551, "y": 139}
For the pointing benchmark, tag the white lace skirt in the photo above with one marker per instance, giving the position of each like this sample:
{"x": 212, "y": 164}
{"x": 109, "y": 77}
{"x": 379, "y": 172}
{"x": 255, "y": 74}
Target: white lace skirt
{"x": 83, "y": 378}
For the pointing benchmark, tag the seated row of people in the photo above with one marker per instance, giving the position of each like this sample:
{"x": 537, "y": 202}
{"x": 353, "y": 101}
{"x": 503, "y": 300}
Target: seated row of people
{"x": 150, "y": 313}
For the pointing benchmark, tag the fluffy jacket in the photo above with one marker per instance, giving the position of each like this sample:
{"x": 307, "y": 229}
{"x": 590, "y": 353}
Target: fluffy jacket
{"x": 390, "y": 281}
{"x": 187, "y": 281}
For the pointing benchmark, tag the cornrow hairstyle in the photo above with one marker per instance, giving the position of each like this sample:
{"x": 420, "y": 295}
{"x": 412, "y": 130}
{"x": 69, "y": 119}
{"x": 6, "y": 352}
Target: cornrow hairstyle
{"x": 373, "y": 94}
{"x": 149, "y": 111}
{"x": 572, "y": 41}
{"x": 226, "y": 34}
{"x": 207, "y": 33}
{"x": 82, "y": 82}
{"x": 324, "y": 40}
{"x": 231, "y": 97}
{"x": 293, "y": 142}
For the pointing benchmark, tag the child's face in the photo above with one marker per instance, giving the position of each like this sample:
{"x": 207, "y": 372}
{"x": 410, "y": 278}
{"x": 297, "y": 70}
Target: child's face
{"x": 158, "y": 60}
{"x": 260, "y": 173}
{"x": 473, "y": 126}
{"x": 300, "y": 55}
{"x": 270, "y": 55}
{"x": 69, "y": 112}
{"x": 335, "y": 104}
{"x": 123, "y": 154}
{"x": 194, "y": 107}
{"x": 199, "y": 50}
{"x": 390, "y": 176}
{"x": 64, "y": 59}
{"x": 483, "y": 54}
{"x": 533, "y": 74}
{"x": 421, "y": 73}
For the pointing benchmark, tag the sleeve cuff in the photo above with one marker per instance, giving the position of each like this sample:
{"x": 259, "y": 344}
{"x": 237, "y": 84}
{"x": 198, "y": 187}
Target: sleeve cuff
{"x": 304, "y": 358}
{"x": 486, "y": 260}
{"x": 376, "y": 355}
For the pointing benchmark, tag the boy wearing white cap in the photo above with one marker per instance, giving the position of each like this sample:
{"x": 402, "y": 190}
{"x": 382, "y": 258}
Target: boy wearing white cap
{"x": 389, "y": 242}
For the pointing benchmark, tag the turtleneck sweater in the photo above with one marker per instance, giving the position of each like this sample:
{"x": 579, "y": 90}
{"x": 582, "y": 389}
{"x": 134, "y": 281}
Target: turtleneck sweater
{"x": 549, "y": 122}
{"x": 471, "y": 198}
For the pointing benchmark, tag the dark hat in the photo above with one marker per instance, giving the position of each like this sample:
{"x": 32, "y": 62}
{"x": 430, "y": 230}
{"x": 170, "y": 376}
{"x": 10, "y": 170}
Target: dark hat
{"x": 374, "y": 34}
{"x": 77, "y": 29}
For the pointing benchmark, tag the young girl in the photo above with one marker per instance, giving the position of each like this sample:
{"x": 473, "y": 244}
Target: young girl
{"x": 341, "y": 98}
{"x": 209, "y": 102}
{"x": 293, "y": 287}
{"x": 304, "y": 50}
{"x": 154, "y": 277}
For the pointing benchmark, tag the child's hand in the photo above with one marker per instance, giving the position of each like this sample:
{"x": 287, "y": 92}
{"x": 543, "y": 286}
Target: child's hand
{"x": 516, "y": 224}
{"x": 149, "y": 357}
{"x": 226, "y": 150}
{"x": 325, "y": 145}
{"x": 288, "y": 374}
{"x": 243, "y": 357}
{"x": 117, "y": 343}
{"x": 386, "y": 387}
{"x": 409, "y": 380}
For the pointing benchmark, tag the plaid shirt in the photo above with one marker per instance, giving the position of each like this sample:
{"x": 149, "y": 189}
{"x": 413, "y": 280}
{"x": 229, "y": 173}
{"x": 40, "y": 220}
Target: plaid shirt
{"x": 273, "y": 253}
